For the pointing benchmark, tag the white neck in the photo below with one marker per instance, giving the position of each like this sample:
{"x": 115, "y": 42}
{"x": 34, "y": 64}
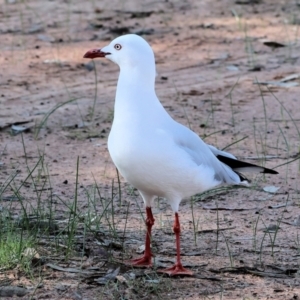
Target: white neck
{"x": 136, "y": 94}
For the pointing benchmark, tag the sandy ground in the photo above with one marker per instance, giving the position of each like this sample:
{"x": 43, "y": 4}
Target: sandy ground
{"x": 210, "y": 56}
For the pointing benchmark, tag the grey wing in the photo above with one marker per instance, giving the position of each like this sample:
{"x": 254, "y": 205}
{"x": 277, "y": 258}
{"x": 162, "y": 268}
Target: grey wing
{"x": 201, "y": 153}
{"x": 217, "y": 152}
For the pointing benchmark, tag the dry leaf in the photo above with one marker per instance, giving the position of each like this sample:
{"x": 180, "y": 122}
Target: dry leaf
{"x": 271, "y": 189}
{"x": 111, "y": 275}
{"x": 121, "y": 278}
{"x": 140, "y": 249}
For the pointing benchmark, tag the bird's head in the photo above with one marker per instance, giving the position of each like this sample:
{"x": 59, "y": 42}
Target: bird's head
{"x": 129, "y": 50}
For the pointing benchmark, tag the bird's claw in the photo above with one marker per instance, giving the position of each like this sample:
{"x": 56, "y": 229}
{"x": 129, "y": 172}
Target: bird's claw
{"x": 177, "y": 269}
{"x": 144, "y": 261}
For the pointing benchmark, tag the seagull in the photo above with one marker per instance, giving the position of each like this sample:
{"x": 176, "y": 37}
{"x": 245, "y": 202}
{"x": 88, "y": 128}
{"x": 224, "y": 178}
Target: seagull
{"x": 157, "y": 155}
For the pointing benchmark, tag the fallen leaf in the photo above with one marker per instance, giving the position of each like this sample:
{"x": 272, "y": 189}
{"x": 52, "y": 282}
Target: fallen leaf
{"x": 297, "y": 221}
{"x": 121, "y": 278}
{"x": 290, "y": 77}
{"x": 140, "y": 249}
{"x": 136, "y": 273}
{"x": 53, "y": 61}
{"x": 5, "y": 281}
{"x": 156, "y": 281}
{"x": 278, "y": 206}
{"x": 111, "y": 275}
{"x": 232, "y": 68}
{"x": 18, "y": 129}
{"x": 12, "y": 120}
{"x": 70, "y": 270}
{"x": 60, "y": 287}
{"x": 111, "y": 244}
{"x": 11, "y": 291}
{"x": 30, "y": 253}
{"x": 271, "y": 189}
{"x": 45, "y": 38}
{"x": 10, "y": 198}
{"x": 35, "y": 28}
{"x": 277, "y": 83}
{"x": 271, "y": 228}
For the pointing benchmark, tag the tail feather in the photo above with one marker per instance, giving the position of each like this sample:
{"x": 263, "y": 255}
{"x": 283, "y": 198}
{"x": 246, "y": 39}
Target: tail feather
{"x": 241, "y": 166}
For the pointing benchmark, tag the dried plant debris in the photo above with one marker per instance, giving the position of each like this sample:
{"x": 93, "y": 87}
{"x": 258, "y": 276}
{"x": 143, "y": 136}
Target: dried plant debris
{"x": 221, "y": 207}
{"x": 271, "y": 189}
{"x": 109, "y": 276}
{"x": 12, "y": 291}
{"x": 69, "y": 270}
{"x": 268, "y": 271}
{"x": 6, "y": 282}
{"x": 15, "y": 122}
{"x": 271, "y": 228}
{"x": 277, "y": 83}
{"x": 290, "y": 77}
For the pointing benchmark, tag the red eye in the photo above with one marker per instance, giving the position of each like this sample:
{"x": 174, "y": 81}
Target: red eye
{"x": 118, "y": 47}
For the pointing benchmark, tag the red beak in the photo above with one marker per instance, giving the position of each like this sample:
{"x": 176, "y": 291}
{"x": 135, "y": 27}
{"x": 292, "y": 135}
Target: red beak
{"x": 95, "y": 53}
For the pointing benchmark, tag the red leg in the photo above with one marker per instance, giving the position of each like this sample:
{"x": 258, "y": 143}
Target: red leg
{"x": 177, "y": 269}
{"x": 145, "y": 260}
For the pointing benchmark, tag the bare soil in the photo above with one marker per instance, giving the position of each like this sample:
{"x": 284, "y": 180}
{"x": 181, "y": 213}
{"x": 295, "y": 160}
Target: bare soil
{"x": 210, "y": 55}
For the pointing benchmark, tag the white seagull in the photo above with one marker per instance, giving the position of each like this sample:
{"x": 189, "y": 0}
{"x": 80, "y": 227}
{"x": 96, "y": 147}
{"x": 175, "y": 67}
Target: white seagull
{"x": 154, "y": 153}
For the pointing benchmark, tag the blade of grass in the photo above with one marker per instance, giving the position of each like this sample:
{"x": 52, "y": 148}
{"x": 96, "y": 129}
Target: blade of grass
{"x": 235, "y": 142}
{"x": 44, "y": 120}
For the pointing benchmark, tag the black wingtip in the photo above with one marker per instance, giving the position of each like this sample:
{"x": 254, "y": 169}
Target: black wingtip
{"x": 237, "y": 164}
{"x": 269, "y": 171}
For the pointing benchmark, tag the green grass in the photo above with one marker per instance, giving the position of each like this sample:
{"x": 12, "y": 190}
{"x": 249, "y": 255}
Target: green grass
{"x": 13, "y": 242}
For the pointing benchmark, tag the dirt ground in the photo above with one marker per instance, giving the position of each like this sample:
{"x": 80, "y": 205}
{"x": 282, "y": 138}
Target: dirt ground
{"x": 241, "y": 243}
